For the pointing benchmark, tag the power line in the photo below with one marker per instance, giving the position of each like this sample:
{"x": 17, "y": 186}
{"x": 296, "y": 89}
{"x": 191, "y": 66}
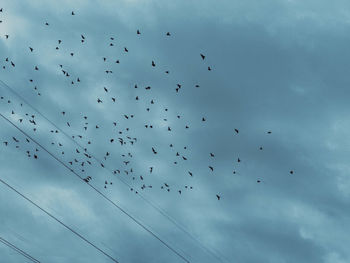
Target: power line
{"x": 18, "y": 250}
{"x": 152, "y": 204}
{"x": 59, "y": 221}
{"x": 99, "y": 192}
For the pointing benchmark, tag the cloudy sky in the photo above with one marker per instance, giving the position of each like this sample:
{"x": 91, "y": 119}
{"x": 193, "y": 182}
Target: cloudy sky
{"x": 276, "y": 65}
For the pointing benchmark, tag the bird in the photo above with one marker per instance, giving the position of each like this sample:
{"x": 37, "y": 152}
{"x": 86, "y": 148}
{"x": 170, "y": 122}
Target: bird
{"x": 212, "y": 155}
{"x": 153, "y": 64}
{"x": 154, "y": 151}
{"x": 73, "y": 13}
{"x": 168, "y": 33}
{"x": 236, "y": 130}
{"x": 138, "y": 32}
{"x": 218, "y": 197}
{"x": 291, "y": 172}
{"x": 211, "y": 168}
{"x": 202, "y": 56}
{"x": 31, "y": 49}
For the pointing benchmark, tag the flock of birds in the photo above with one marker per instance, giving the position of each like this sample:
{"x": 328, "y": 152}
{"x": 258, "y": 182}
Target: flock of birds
{"x": 82, "y": 157}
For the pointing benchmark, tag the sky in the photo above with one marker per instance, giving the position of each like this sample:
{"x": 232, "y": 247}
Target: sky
{"x": 276, "y": 66}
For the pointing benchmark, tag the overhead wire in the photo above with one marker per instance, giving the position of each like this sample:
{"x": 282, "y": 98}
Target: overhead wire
{"x": 152, "y": 204}
{"x": 18, "y": 250}
{"x": 59, "y": 221}
{"x": 99, "y": 192}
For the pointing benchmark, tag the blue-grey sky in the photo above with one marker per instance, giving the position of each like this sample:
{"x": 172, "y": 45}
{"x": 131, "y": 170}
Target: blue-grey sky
{"x": 279, "y": 66}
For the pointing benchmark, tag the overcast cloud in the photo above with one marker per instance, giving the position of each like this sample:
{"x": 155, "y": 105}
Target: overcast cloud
{"x": 279, "y": 66}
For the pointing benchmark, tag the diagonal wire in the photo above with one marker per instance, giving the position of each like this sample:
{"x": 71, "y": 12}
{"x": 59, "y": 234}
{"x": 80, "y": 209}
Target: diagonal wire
{"x": 59, "y": 221}
{"x": 18, "y": 250}
{"x": 99, "y": 192}
{"x": 152, "y": 204}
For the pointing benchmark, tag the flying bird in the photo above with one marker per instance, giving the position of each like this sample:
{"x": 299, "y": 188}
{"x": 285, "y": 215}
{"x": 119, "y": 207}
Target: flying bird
{"x": 154, "y": 151}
